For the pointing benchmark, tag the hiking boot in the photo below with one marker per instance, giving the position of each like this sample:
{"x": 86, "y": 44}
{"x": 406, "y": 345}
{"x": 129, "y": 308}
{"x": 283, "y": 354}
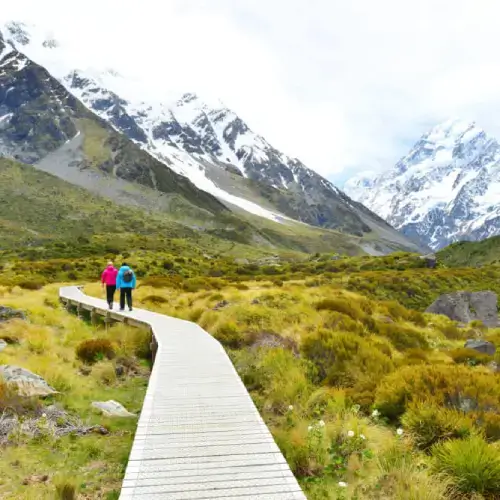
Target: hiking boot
{"x": 122, "y": 310}
{"x": 130, "y": 309}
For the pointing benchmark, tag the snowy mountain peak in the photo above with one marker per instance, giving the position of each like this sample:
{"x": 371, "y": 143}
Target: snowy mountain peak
{"x": 446, "y": 188}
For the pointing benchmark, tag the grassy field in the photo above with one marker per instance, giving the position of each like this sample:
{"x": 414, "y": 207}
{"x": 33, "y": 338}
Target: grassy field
{"x": 469, "y": 253}
{"x": 363, "y": 396}
{"x": 36, "y": 461}
{"x": 367, "y": 396}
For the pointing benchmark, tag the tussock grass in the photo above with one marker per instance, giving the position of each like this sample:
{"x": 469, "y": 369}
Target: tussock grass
{"x": 319, "y": 360}
{"x": 47, "y": 346}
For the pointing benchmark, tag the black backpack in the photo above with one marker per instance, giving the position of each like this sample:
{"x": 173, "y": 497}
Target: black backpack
{"x": 127, "y": 276}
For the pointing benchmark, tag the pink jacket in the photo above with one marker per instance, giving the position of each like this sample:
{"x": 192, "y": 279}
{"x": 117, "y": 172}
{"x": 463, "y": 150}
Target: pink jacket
{"x": 109, "y": 275}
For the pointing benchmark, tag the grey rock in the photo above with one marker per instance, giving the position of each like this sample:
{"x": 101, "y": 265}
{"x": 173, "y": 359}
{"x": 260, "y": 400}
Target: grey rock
{"x": 3, "y": 345}
{"x": 112, "y": 409}
{"x": 6, "y": 313}
{"x": 241, "y": 262}
{"x": 24, "y": 382}
{"x": 220, "y": 305}
{"x": 481, "y": 346}
{"x": 467, "y": 306}
{"x": 430, "y": 260}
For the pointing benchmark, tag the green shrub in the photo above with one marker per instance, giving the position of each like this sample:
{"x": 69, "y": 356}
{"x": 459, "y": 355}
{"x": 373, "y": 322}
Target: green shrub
{"x": 93, "y": 350}
{"x": 340, "y": 305}
{"x": 403, "y": 337}
{"x": 31, "y": 284}
{"x": 415, "y": 357}
{"x": 472, "y": 464}
{"x": 469, "y": 357}
{"x": 451, "y": 331}
{"x": 362, "y": 394}
{"x": 429, "y": 424}
{"x": 454, "y": 386}
{"x": 283, "y": 378}
{"x": 341, "y": 322}
{"x": 229, "y": 334}
{"x": 343, "y": 358}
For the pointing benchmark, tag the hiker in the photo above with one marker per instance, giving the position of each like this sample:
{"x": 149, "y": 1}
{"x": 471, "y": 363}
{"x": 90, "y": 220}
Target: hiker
{"x": 125, "y": 282}
{"x": 108, "y": 280}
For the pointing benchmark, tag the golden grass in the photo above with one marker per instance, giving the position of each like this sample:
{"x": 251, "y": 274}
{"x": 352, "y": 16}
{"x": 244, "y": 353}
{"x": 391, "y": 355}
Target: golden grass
{"x": 312, "y": 422}
{"x": 47, "y": 345}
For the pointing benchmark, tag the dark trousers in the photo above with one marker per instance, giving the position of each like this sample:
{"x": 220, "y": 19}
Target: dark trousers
{"x": 125, "y": 293}
{"x": 110, "y": 293}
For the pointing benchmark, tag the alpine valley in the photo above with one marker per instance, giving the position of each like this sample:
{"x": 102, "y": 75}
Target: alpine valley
{"x": 194, "y": 160}
{"x": 445, "y": 190}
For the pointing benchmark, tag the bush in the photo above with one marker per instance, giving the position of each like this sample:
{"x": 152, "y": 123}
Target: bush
{"x": 415, "y": 357}
{"x": 283, "y": 378}
{"x": 454, "y": 386}
{"x": 343, "y": 359}
{"x": 472, "y": 464}
{"x": 31, "y": 285}
{"x": 469, "y": 357}
{"x": 403, "y": 337}
{"x": 104, "y": 372}
{"x": 229, "y": 335}
{"x": 451, "y": 331}
{"x": 342, "y": 306}
{"x": 341, "y": 322}
{"x": 429, "y": 424}
{"x": 93, "y": 350}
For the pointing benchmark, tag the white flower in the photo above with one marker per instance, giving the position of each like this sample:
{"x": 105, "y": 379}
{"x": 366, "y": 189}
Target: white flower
{"x": 310, "y": 428}
{"x": 399, "y": 432}
{"x": 44, "y": 415}
{"x": 362, "y": 436}
{"x": 375, "y": 413}
{"x": 350, "y": 434}
{"x": 321, "y": 423}
{"x": 290, "y": 408}
{"x": 342, "y": 484}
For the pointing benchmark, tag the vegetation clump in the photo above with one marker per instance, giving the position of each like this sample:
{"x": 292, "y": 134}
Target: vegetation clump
{"x": 94, "y": 350}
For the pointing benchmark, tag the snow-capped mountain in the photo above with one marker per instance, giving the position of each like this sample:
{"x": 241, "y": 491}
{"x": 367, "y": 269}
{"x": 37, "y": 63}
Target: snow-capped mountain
{"x": 203, "y": 141}
{"x": 446, "y": 189}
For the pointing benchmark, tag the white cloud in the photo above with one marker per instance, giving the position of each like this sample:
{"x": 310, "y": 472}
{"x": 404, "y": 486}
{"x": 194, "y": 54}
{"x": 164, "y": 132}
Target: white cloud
{"x": 342, "y": 85}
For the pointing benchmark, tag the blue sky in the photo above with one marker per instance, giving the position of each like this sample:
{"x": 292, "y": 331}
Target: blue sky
{"x": 343, "y": 85}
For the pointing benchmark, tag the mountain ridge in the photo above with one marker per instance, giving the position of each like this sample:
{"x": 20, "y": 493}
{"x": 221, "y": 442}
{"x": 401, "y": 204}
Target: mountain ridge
{"x": 443, "y": 190}
{"x": 197, "y": 149}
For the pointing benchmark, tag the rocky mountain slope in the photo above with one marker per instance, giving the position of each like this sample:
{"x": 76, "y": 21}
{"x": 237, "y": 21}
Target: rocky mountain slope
{"x": 209, "y": 145}
{"x": 446, "y": 189}
{"x": 38, "y": 116}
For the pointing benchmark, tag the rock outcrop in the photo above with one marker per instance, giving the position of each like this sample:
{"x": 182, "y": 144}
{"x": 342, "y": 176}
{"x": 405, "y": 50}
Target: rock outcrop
{"x": 467, "y": 306}
{"x": 111, "y": 409}
{"x": 6, "y": 314}
{"x": 482, "y": 346}
{"x": 24, "y": 382}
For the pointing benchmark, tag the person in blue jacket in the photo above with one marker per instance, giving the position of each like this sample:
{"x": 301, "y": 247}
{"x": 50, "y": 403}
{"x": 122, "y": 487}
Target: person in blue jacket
{"x": 125, "y": 282}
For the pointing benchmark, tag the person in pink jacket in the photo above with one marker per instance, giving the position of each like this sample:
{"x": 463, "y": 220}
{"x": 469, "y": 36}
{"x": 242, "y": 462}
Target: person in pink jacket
{"x": 108, "y": 280}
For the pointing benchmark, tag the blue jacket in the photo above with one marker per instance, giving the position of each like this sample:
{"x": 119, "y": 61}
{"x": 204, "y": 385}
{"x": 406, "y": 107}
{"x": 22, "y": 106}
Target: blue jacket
{"x": 119, "y": 278}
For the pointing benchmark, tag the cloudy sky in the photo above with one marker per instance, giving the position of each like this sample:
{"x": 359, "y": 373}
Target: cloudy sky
{"x": 343, "y": 85}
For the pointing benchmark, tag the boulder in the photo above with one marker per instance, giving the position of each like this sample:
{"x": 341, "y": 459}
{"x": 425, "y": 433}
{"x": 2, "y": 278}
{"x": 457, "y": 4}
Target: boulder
{"x": 25, "y": 383}
{"x": 430, "y": 260}
{"x": 3, "y": 345}
{"x": 467, "y": 306}
{"x": 6, "y": 313}
{"x": 112, "y": 409}
{"x": 482, "y": 346}
{"x": 220, "y": 305}
{"x": 242, "y": 262}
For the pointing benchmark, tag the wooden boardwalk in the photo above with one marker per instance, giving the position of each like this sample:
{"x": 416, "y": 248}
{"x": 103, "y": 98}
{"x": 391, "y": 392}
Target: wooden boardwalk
{"x": 199, "y": 435}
